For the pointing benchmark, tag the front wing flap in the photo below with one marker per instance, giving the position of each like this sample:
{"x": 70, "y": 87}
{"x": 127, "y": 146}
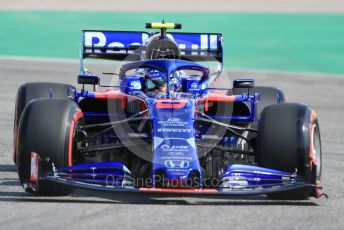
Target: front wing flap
{"x": 178, "y": 191}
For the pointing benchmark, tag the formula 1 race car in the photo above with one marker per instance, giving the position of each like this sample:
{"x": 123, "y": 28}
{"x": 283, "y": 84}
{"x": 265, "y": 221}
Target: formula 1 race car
{"x": 162, "y": 128}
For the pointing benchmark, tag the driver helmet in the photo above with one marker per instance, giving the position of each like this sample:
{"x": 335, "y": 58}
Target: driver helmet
{"x": 157, "y": 78}
{"x": 160, "y": 83}
{"x": 175, "y": 82}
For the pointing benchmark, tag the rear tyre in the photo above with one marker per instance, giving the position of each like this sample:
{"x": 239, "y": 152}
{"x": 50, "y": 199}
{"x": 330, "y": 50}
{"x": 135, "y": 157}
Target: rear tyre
{"x": 35, "y": 90}
{"x": 268, "y": 96}
{"x": 289, "y": 140}
{"x": 47, "y": 128}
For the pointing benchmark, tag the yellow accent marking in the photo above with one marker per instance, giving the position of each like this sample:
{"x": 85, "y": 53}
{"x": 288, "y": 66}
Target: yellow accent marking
{"x": 159, "y": 25}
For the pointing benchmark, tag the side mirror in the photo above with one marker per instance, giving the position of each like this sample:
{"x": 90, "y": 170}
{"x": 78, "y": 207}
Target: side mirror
{"x": 243, "y": 83}
{"x": 88, "y": 80}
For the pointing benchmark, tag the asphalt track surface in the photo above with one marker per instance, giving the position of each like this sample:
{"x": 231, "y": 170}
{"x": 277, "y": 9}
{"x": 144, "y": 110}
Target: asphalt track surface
{"x": 91, "y": 210}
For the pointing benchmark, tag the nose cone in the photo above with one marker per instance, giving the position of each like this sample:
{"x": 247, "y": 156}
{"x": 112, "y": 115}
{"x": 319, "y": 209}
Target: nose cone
{"x": 174, "y": 153}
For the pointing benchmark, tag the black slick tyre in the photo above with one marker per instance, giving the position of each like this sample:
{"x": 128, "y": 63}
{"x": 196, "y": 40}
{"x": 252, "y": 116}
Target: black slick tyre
{"x": 289, "y": 140}
{"x": 46, "y": 127}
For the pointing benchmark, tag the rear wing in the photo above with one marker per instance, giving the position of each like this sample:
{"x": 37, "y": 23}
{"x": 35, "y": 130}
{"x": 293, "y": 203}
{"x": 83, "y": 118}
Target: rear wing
{"x": 114, "y": 45}
{"x": 199, "y": 46}
{"x": 130, "y": 45}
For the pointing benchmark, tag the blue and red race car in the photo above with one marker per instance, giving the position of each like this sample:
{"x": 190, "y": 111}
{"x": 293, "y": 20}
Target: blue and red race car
{"x": 162, "y": 128}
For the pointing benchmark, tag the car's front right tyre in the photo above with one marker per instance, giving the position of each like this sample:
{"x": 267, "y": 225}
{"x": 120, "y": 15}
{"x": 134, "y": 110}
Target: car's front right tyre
{"x": 47, "y": 128}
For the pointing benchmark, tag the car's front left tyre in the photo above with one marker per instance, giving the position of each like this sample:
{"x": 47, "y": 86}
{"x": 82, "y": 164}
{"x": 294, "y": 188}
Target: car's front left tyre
{"x": 289, "y": 140}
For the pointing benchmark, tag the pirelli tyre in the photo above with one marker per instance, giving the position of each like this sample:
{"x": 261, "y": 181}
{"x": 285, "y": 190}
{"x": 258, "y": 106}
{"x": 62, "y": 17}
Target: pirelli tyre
{"x": 289, "y": 140}
{"x": 47, "y": 128}
{"x": 35, "y": 90}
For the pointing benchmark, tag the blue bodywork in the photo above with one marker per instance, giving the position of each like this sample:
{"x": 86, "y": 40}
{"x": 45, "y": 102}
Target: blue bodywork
{"x": 174, "y": 141}
{"x": 172, "y": 115}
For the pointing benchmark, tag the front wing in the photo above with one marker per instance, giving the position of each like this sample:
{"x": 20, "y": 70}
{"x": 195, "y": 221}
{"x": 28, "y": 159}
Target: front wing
{"x": 179, "y": 191}
{"x": 237, "y": 180}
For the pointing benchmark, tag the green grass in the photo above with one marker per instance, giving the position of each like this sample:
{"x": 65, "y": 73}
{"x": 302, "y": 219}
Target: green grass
{"x": 291, "y": 42}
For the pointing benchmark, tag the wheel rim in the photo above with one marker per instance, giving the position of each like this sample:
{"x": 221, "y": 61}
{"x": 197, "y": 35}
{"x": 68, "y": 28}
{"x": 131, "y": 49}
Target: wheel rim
{"x": 316, "y": 151}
